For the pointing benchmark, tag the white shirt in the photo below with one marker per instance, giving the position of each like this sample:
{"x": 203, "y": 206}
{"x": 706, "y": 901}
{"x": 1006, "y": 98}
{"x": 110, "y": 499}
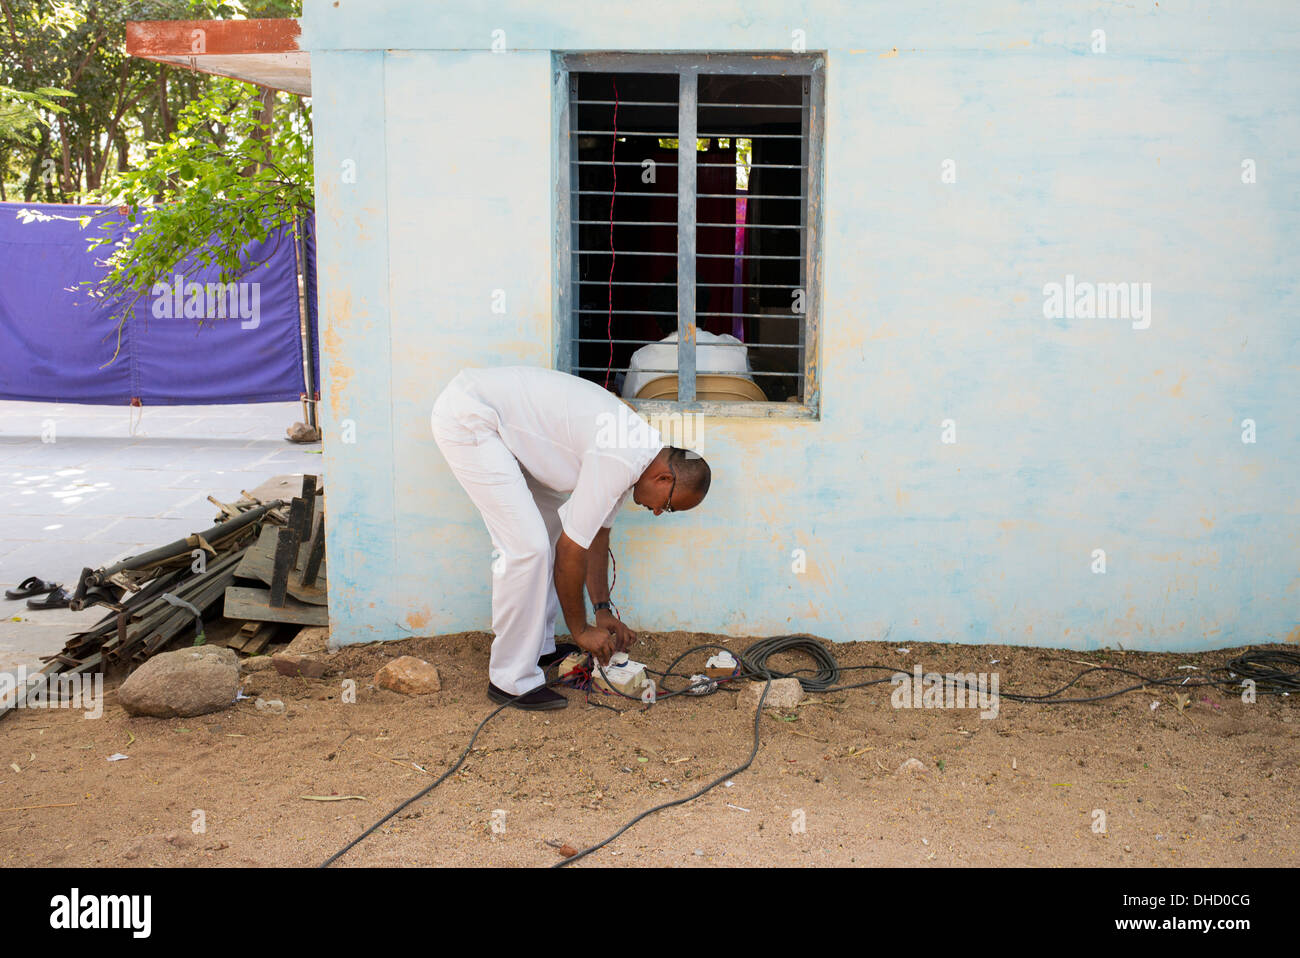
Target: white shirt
{"x": 570, "y": 434}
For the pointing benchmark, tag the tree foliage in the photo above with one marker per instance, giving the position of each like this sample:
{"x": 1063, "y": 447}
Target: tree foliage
{"x": 118, "y": 102}
{"x": 195, "y": 166}
{"x": 232, "y": 173}
{"x": 21, "y": 111}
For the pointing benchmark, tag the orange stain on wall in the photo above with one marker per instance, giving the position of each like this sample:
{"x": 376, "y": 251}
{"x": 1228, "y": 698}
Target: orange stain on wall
{"x": 339, "y": 309}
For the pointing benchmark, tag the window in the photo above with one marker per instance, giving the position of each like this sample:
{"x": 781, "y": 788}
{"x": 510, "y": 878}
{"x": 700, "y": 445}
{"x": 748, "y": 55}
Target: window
{"x": 690, "y": 276}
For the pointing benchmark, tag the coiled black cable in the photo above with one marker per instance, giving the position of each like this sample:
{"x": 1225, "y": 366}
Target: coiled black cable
{"x": 1274, "y": 671}
{"x": 827, "y": 673}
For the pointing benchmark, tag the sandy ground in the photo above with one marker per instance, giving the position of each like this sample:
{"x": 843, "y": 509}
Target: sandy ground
{"x": 1213, "y": 784}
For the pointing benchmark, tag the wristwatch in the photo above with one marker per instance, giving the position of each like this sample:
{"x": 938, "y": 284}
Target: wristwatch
{"x": 601, "y": 605}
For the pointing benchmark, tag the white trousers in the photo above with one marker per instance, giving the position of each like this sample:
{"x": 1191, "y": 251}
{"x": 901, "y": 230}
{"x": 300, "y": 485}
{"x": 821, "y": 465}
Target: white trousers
{"x": 522, "y": 520}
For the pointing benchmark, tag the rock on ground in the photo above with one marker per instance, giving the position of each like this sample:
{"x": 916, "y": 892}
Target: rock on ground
{"x": 306, "y": 655}
{"x": 408, "y": 675}
{"x": 301, "y": 432}
{"x": 256, "y": 663}
{"x": 192, "y": 681}
{"x": 784, "y": 694}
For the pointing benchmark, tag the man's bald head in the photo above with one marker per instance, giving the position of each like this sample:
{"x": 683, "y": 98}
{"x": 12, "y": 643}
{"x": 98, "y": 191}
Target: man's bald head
{"x": 676, "y": 478}
{"x": 693, "y": 473}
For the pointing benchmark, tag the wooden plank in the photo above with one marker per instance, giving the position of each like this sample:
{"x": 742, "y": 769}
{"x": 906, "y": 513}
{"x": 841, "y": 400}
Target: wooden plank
{"x": 230, "y": 512}
{"x": 258, "y": 645}
{"x": 258, "y": 563}
{"x": 258, "y": 558}
{"x": 255, "y": 604}
{"x": 261, "y": 638}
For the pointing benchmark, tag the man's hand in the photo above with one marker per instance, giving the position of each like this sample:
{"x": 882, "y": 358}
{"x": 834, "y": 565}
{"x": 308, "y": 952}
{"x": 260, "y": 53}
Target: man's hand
{"x": 623, "y": 636}
{"x": 598, "y": 642}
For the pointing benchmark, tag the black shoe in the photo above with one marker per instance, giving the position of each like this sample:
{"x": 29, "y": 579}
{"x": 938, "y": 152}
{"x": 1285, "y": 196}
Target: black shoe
{"x": 539, "y": 699}
{"x": 57, "y": 599}
{"x": 561, "y": 650}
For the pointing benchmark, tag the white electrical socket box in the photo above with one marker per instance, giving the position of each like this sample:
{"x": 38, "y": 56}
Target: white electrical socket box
{"x": 723, "y": 660}
{"x": 627, "y": 678}
{"x": 625, "y": 675}
{"x": 720, "y": 666}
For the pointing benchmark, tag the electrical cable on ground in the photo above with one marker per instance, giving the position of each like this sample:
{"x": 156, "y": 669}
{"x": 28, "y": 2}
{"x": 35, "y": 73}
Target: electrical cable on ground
{"x": 753, "y": 752}
{"x": 1273, "y": 672}
{"x": 425, "y": 791}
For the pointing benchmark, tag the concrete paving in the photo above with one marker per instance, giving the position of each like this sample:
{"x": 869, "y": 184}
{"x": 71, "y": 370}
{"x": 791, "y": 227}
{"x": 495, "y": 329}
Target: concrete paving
{"x": 89, "y": 485}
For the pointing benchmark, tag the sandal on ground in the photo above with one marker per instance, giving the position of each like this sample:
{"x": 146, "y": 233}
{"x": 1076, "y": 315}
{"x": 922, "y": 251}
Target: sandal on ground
{"x": 28, "y": 587}
{"x": 57, "y": 599}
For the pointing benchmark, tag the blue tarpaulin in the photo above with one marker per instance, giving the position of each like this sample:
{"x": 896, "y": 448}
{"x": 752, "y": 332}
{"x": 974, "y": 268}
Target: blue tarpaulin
{"x": 189, "y": 341}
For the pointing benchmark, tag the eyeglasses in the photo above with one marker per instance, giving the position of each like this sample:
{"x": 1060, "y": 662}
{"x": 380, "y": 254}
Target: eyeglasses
{"x": 668, "y": 506}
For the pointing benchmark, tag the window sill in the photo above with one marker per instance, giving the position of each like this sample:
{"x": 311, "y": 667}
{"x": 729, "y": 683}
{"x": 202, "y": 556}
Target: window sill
{"x": 663, "y": 408}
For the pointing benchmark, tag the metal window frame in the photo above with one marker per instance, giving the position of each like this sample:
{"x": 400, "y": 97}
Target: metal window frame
{"x": 688, "y": 66}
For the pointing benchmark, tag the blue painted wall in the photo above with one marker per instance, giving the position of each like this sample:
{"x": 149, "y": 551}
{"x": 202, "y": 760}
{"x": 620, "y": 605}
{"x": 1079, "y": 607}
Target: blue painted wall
{"x": 1072, "y": 435}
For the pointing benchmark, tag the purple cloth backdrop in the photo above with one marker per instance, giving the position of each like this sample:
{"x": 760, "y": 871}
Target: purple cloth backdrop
{"x": 57, "y": 342}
